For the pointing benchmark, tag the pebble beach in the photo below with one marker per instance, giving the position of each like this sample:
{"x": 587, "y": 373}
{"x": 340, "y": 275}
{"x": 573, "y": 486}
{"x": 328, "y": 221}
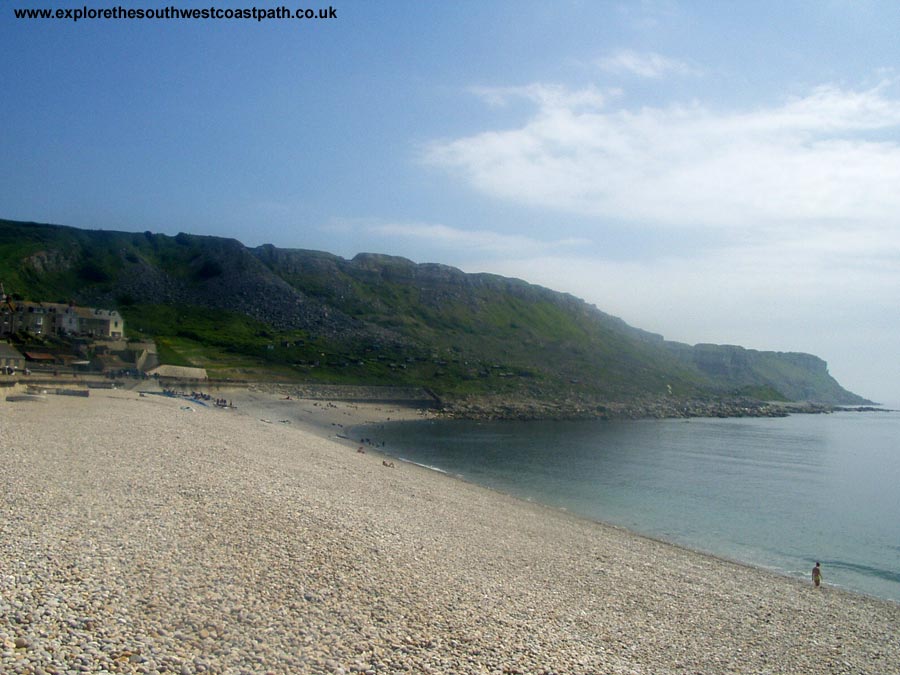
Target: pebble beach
{"x": 151, "y": 534}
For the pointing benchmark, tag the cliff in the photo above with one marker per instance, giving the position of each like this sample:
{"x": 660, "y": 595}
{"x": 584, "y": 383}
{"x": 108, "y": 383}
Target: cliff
{"x": 377, "y": 319}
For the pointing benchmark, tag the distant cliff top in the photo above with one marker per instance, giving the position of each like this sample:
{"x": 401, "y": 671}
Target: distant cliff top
{"x": 377, "y": 319}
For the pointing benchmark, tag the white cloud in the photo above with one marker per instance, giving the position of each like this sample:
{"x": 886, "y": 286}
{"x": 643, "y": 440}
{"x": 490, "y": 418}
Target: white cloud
{"x": 784, "y": 219}
{"x": 775, "y": 284}
{"x": 828, "y": 157}
{"x": 798, "y": 296}
{"x": 547, "y": 96}
{"x": 645, "y": 64}
{"x": 474, "y": 242}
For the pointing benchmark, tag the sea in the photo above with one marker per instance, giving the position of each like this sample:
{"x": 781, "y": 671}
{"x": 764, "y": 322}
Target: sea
{"x": 777, "y": 493}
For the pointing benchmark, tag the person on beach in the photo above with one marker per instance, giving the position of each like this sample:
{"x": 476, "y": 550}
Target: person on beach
{"x": 817, "y": 575}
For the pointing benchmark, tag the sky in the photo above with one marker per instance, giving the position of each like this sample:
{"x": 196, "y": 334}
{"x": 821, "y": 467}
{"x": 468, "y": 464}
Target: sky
{"x": 724, "y": 172}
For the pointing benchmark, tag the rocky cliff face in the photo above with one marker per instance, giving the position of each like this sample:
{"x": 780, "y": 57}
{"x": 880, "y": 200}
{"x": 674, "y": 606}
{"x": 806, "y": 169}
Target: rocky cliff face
{"x": 459, "y": 332}
{"x": 385, "y": 284}
{"x": 796, "y": 376}
{"x": 219, "y": 274}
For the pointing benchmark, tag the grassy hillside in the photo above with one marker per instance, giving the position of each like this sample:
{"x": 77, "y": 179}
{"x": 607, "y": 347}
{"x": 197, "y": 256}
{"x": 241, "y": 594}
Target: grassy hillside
{"x": 493, "y": 333}
{"x": 313, "y": 316}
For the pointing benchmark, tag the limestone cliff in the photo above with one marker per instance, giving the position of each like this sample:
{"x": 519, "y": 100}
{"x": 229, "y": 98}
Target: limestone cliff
{"x": 386, "y": 320}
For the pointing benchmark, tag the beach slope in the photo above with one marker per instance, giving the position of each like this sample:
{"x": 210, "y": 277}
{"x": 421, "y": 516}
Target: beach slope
{"x": 146, "y": 534}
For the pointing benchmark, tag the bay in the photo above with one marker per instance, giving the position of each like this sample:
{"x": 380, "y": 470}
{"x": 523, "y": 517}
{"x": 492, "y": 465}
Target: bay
{"x": 777, "y": 493}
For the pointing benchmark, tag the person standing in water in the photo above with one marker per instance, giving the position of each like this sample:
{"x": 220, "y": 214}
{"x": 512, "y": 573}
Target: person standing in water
{"x": 817, "y": 575}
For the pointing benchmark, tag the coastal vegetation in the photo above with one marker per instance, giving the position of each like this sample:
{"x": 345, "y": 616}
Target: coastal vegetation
{"x": 310, "y": 316}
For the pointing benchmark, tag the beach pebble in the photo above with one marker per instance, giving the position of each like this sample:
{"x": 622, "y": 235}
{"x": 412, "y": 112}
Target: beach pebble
{"x": 138, "y": 539}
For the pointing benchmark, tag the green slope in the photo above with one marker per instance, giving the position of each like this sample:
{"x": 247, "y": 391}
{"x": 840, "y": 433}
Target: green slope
{"x": 313, "y": 316}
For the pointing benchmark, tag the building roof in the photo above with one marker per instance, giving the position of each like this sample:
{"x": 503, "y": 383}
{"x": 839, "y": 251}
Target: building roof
{"x": 57, "y": 306}
{"x": 94, "y": 313}
{"x": 179, "y": 372}
{"x": 39, "y": 356}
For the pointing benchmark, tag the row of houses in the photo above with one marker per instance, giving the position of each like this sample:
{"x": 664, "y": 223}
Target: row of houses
{"x": 137, "y": 359}
{"x": 97, "y": 342}
{"x": 55, "y": 318}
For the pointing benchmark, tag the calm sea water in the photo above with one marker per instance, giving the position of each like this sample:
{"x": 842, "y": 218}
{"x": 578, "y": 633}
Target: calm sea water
{"x": 775, "y": 493}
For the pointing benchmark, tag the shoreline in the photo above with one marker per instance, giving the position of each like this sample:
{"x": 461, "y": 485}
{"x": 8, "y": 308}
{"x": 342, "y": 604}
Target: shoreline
{"x": 331, "y": 419}
{"x": 782, "y": 574}
{"x": 478, "y": 408}
{"x": 147, "y": 535}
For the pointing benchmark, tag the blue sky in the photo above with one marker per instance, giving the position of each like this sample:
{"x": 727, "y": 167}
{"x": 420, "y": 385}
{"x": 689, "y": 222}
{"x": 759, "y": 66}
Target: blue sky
{"x": 712, "y": 171}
